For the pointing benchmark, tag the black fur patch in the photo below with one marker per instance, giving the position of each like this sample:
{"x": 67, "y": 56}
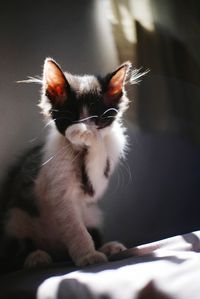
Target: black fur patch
{"x": 17, "y": 192}
{"x": 18, "y": 187}
{"x": 66, "y": 114}
{"x": 107, "y": 169}
{"x": 86, "y": 184}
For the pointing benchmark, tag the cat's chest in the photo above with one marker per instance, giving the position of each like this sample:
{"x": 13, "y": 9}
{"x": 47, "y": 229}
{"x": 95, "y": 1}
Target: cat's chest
{"x": 72, "y": 174}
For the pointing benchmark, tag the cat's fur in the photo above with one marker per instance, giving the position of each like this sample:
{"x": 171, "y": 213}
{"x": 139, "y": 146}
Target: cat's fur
{"x": 50, "y": 199}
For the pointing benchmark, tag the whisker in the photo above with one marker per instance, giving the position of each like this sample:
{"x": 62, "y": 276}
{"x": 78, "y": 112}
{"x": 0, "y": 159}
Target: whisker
{"x": 120, "y": 179}
{"x": 110, "y": 116}
{"x": 86, "y": 118}
{"x": 58, "y": 118}
{"x": 47, "y": 161}
{"x": 123, "y": 177}
{"x": 76, "y": 157}
{"x": 127, "y": 170}
{"x": 136, "y": 74}
{"x": 55, "y": 110}
{"x": 117, "y": 180}
{"x": 110, "y": 109}
{"x": 33, "y": 139}
{"x": 116, "y": 184}
{"x": 53, "y": 156}
{"x": 49, "y": 123}
{"x": 63, "y": 117}
{"x": 36, "y": 79}
{"x": 42, "y": 130}
{"x": 61, "y": 150}
{"x": 65, "y": 111}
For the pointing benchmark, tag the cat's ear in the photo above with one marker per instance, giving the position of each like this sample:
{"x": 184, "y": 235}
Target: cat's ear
{"x": 115, "y": 86}
{"x": 56, "y": 86}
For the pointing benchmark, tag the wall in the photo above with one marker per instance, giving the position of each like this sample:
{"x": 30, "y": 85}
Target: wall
{"x": 75, "y": 33}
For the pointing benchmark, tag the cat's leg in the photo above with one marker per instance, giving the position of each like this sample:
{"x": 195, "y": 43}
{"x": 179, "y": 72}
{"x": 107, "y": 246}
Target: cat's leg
{"x": 82, "y": 249}
{"x": 83, "y": 252}
{"x": 77, "y": 239}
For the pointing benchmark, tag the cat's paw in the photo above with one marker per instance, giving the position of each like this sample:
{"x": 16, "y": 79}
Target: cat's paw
{"x": 79, "y": 134}
{"x": 111, "y": 248}
{"x": 91, "y": 258}
{"x": 37, "y": 258}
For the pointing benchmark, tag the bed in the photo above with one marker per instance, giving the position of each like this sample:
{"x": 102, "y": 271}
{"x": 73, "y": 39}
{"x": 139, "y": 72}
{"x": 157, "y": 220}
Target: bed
{"x": 169, "y": 268}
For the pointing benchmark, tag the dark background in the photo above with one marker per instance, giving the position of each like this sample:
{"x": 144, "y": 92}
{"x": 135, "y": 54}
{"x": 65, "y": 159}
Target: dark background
{"x": 156, "y": 192}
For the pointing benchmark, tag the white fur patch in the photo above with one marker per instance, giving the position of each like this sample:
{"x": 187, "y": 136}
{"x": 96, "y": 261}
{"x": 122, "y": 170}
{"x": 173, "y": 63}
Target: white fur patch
{"x": 83, "y": 84}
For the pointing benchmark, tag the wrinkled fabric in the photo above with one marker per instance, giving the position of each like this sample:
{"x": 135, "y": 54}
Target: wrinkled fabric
{"x": 169, "y": 268}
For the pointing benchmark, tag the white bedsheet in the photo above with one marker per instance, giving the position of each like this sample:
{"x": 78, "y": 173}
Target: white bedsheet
{"x": 168, "y": 268}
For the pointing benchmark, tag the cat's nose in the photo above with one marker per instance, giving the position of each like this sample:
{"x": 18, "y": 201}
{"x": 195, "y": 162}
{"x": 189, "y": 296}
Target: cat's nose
{"x": 84, "y": 117}
{"x": 84, "y": 114}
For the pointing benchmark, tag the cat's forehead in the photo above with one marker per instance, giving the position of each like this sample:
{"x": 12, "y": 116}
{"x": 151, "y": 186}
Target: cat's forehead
{"x": 83, "y": 84}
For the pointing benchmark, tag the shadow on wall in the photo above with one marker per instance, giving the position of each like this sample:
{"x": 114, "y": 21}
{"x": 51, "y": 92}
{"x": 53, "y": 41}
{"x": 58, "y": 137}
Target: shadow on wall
{"x": 155, "y": 193}
{"x": 169, "y": 95}
{"x": 162, "y": 36}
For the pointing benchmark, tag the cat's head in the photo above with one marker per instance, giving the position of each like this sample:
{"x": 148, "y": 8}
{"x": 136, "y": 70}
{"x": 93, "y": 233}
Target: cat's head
{"x": 70, "y": 99}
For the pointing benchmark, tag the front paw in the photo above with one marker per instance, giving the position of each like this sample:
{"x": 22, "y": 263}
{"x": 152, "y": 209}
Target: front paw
{"x": 91, "y": 258}
{"x": 111, "y": 248}
{"x": 78, "y": 134}
{"x": 37, "y": 258}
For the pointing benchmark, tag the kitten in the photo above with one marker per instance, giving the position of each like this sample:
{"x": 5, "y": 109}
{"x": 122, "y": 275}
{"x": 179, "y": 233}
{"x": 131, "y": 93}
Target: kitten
{"x": 50, "y": 199}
